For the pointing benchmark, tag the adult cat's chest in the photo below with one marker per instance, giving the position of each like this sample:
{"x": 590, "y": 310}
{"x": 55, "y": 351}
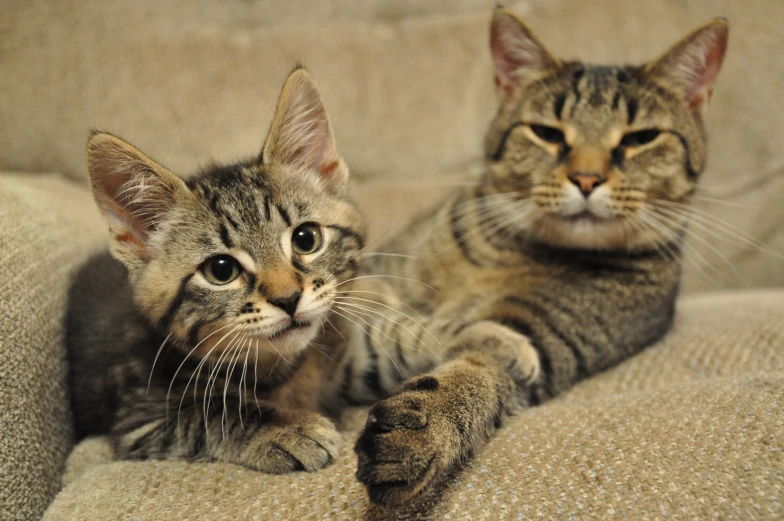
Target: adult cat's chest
{"x": 461, "y": 282}
{"x": 539, "y": 270}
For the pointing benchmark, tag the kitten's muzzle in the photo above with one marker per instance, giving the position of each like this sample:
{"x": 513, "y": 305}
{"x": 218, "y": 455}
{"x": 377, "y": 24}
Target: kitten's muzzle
{"x": 293, "y": 325}
{"x": 287, "y": 304}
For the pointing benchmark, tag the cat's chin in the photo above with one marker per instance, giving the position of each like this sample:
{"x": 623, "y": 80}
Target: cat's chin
{"x": 287, "y": 341}
{"x": 290, "y": 340}
{"x": 585, "y": 231}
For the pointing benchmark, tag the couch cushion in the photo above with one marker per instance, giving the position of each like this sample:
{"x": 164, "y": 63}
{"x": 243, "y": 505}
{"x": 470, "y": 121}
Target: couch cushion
{"x": 48, "y": 225}
{"x": 691, "y": 428}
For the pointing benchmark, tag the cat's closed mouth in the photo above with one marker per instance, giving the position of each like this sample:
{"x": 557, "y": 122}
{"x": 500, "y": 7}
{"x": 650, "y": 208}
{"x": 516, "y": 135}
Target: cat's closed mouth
{"x": 293, "y": 326}
{"x": 585, "y": 215}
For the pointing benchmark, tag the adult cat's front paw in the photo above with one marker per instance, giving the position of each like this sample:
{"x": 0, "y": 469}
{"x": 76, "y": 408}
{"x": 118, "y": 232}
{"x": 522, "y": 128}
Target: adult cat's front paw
{"x": 411, "y": 441}
{"x": 296, "y": 440}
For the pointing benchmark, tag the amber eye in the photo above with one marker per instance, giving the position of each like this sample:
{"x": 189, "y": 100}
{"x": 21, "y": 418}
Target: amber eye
{"x": 549, "y": 134}
{"x": 221, "y": 269}
{"x": 639, "y": 138}
{"x": 306, "y": 238}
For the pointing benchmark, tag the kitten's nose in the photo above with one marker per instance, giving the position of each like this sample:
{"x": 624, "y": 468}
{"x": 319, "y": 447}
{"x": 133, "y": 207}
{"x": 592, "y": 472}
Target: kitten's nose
{"x": 287, "y": 304}
{"x": 586, "y": 182}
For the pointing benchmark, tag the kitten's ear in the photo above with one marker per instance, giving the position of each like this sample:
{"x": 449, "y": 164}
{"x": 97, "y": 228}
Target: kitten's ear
{"x": 132, "y": 191}
{"x": 301, "y": 135}
{"x": 692, "y": 65}
{"x": 517, "y": 52}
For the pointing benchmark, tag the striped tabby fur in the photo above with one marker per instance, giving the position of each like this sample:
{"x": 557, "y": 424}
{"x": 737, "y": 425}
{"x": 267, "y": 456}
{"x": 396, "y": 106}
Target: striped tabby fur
{"x": 193, "y": 345}
{"x": 563, "y": 260}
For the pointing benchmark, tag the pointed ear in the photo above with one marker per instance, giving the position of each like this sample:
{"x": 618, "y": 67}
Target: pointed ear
{"x": 132, "y": 191}
{"x": 517, "y": 52}
{"x": 692, "y": 65}
{"x": 301, "y": 135}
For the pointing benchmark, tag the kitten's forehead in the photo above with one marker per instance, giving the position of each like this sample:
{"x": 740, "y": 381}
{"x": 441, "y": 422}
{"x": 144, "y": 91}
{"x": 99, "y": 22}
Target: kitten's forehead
{"x": 249, "y": 192}
{"x": 249, "y": 206}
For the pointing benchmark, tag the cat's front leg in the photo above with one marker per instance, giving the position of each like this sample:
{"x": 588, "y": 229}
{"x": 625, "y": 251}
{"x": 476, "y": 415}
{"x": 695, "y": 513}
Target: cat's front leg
{"x": 259, "y": 435}
{"x": 416, "y": 437}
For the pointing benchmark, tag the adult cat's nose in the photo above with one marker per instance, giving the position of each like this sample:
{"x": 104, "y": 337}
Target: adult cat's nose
{"x": 287, "y": 304}
{"x": 586, "y": 182}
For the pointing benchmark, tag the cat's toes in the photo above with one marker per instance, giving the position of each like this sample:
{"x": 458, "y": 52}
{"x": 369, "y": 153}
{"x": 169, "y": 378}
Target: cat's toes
{"x": 402, "y": 449}
{"x": 300, "y": 441}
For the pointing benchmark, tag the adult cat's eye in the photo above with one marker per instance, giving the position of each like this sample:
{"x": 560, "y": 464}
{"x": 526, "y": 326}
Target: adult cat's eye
{"x": 306, "y": 238}
{"x": 221, "y": 269}
{"x": 549, "y": 134}
{"x": 639, "y": 138}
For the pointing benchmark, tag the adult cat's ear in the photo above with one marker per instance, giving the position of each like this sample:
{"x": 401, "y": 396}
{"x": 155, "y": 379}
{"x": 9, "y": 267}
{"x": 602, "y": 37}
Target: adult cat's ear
{"x": 517, "y": 52}
{"x": 301, "y": 135}
{"x": 132, "y": 191}
{"x": 692, "y": 65}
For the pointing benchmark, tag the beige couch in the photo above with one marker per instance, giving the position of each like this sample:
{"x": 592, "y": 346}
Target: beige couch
{"x": 690, "y": 428}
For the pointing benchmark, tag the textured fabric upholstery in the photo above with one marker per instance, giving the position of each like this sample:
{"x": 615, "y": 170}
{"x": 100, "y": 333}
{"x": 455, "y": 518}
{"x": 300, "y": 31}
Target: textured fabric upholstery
{"x": 690, "y": 429}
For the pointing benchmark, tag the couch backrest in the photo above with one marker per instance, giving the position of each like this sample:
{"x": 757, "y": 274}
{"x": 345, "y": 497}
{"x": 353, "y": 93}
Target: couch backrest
{"x": 407, "y": 83}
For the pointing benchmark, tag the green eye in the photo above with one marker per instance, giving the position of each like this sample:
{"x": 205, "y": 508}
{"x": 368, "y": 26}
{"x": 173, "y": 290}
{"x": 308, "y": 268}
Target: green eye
{"x": 306, "y": 238}
{"x": 221, "y": 269}
{"x": 549, "y": 134}
{"x": 639, "y": 138}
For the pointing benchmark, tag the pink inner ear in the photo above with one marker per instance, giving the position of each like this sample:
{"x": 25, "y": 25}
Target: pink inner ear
{"x": 515, "y": 52}
{"x": 128, "y": 218}
{"x": 505, "y": 46}
{"x": 701, "y": 89}
{"x": 316, "y": 150}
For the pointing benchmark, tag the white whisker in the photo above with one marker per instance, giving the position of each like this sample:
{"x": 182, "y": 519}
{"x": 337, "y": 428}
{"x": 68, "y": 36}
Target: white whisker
{"x": 155, "y": 361}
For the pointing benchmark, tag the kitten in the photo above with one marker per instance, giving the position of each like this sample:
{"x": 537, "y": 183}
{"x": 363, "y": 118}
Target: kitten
{"x": 194, "y": 346}
{"x": 564, "y": 259}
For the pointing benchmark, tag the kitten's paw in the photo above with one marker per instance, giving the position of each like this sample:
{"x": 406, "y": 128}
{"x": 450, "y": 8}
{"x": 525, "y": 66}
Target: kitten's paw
{"x": 406, "y": 445}
{"x": 297, "y": 440}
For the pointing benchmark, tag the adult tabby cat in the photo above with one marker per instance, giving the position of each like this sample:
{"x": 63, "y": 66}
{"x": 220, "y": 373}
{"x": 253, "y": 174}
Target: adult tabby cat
{"x": 562, "y": 261}
{"x": 194, "y": 345}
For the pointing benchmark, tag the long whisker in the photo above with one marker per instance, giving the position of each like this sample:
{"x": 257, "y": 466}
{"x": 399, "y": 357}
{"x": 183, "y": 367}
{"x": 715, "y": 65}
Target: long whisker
{"x": 232, "y": 364}
{"x": 190, "y": 353}
{"x": 473, "y": 208}
{"x": 365, "y": 331}
{"x": 256, "y": 374}
{"x": 714, "y": 200}
{"x": 335, "y": 328}
{"x": 662, "y": 241}
{"x": 321, "y": 348}
{"x": 209, "y": 390}
{"x": 500, "y": 220}
{"x": 196, "y": 374}
{"x": 668, "y": 221}
{"x": 387, "y": 297}
{"x": 149, "y": 380}
{"x": 399, "y": 312}
{"x": 716, "y": 226}
{"x": 242, "y": 388}
{"x": 372, "y": 254}
{"x": 375, "y": 314}
{"x": 388, "y": 276}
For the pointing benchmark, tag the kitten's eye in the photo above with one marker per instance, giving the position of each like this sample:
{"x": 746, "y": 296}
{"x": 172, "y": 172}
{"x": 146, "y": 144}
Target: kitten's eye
{"x": 549, "y": 134}
{"x": 221, "y": 269}
{"x": 306, "y": 238}
{"x": 639, "y": 138}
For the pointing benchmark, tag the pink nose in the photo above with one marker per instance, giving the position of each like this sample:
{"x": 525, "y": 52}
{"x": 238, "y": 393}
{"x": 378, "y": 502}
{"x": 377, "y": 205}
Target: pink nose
{"x": 586, "y": 182}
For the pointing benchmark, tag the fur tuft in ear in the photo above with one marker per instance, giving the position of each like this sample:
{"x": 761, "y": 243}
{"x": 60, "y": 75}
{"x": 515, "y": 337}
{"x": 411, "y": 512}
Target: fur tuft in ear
{"x": 301, "y": 134}
{"x": 132, "y": 191}
{"x": 692, "y": 65}
{"x": 517, "y": 52}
